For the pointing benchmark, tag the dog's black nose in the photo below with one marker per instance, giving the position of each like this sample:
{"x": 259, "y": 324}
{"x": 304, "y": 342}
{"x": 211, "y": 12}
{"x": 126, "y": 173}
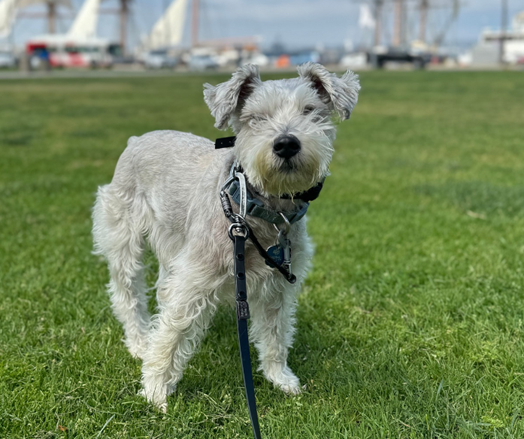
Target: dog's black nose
{"x": 286, "y": 146}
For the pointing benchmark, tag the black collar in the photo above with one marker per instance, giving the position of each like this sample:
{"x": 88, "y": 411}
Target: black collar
{"x": 225, "y": 142}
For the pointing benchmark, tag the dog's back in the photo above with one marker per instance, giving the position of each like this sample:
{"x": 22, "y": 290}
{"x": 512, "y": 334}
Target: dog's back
{"x": 165, "y": 160}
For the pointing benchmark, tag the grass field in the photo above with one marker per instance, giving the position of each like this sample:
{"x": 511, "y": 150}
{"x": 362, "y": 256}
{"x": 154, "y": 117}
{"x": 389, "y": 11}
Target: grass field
{"x": 409, "y": 326}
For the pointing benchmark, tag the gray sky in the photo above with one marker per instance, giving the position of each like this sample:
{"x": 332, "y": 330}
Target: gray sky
{"x": 296, "y": 23}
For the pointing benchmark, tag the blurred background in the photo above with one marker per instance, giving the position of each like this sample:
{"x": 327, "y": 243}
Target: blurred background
{"x": 212, "y": 35}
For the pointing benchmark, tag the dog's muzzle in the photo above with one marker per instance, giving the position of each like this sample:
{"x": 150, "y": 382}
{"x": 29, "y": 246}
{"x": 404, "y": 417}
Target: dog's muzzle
{"x": 286, "y": 146}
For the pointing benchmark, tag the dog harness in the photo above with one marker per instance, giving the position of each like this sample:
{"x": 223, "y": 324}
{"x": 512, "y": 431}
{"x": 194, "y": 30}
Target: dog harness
{"x": 257, "y": 208}
{"x": 277, "y": 256}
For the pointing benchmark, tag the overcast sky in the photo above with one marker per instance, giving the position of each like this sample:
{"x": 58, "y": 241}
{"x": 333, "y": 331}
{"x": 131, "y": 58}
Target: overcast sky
{"x": 295, "y": 23}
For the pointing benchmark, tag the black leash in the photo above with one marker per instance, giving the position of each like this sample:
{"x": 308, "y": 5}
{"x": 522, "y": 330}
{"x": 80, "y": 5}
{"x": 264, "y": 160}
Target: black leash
{"x": 239, "y": 242}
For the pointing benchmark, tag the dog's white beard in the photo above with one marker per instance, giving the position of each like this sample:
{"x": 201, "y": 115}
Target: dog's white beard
{"x": 272, "y": 175}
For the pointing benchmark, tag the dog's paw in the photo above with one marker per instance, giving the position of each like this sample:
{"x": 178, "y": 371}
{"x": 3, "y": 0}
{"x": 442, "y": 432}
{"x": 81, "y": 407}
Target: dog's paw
{"x": 159, "y": 403}
{"x": 283, "y": 378}
{"x": 155, "y": 391}
{"x": 290, "y": 389}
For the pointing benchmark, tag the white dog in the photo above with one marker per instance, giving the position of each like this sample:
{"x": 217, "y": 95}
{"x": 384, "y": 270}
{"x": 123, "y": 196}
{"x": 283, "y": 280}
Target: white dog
{"x": 165, "y": 194}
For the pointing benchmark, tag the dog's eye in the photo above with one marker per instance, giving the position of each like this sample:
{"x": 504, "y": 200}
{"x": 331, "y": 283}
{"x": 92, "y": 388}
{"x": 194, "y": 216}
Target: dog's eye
{"x": 257, "y": 117}
{"x": 308, "y": 109}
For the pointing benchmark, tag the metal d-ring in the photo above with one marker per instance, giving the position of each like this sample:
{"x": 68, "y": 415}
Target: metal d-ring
{"x": 240, "y": 229}
{"x": 286, "y": 223}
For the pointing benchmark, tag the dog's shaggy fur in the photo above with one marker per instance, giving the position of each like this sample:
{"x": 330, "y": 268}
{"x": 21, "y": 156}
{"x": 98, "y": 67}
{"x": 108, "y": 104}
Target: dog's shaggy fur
{"x": 165, "y": 194}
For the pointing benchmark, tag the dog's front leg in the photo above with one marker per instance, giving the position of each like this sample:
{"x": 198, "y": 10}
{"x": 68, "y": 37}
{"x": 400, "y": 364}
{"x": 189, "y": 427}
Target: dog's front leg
{"x": 272, "y": 328}
{"x": 174, "y": 337}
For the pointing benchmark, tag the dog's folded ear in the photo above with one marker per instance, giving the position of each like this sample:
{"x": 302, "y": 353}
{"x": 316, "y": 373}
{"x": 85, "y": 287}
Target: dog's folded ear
{"x": 341, "y": 94}
{"x": 226, "y": 98}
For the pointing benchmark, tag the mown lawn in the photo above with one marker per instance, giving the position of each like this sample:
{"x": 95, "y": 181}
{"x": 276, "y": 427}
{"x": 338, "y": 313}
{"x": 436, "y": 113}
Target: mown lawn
{"x": 410, "y": 325}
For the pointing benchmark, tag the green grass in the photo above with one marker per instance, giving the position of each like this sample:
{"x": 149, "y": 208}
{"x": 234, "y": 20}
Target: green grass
{"x": 409, "y": 326}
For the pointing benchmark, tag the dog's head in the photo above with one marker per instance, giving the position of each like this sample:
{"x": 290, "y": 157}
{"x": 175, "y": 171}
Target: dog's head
{"x": 284, "y": 129}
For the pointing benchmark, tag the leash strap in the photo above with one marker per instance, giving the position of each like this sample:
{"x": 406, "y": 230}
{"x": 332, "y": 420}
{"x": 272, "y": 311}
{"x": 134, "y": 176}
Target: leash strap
{"x": 239, "y": 243}
{"x": 290, "y": 277}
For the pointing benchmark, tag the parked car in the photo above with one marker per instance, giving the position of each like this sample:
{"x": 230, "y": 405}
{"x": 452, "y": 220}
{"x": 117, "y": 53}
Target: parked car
{"x": 379, "y": 56}
{"x": 159, "y": 59}
{"x": 202, "y": 62}
{"x": 7, "y": 60}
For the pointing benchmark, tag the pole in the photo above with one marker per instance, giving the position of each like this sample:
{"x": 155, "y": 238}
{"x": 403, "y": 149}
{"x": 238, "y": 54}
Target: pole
{"x": 124, "y": 12}
{"x": 398, "y": 25}
{"x": 424, "y": 4}
{"x": 378, "y": 22}
{"x": 194, "y": 26}
{"x": 503, "y": 29}
{"x": 404, "y": 28}
{"x": 167, "y": 24}
{"x": 51, "y": 17}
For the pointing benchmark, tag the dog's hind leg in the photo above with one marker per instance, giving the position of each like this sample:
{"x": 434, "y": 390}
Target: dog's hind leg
{"x": 118, "y": 236}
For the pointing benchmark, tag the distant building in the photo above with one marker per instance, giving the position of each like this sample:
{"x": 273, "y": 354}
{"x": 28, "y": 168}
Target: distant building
{"x": 487, "y": 52}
